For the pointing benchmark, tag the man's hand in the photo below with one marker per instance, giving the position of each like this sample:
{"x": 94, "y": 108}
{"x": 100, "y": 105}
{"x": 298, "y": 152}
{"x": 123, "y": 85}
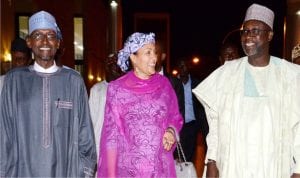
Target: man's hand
{"x": 295, "y": 175}
{"x": 212, "y": 170}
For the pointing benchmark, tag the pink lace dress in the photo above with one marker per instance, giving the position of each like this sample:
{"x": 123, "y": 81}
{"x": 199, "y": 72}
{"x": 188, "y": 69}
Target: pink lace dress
{"x": 137, "y": 114}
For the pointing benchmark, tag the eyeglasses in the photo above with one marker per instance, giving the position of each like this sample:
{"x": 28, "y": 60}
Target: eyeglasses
{"x": 252, "y": 32}
{"x": 40, "y": 36}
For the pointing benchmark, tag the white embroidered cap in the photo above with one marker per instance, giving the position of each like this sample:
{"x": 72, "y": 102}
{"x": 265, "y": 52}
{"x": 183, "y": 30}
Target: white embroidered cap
{"x": 261, "y": 13}
{"x": 43, "y": 20}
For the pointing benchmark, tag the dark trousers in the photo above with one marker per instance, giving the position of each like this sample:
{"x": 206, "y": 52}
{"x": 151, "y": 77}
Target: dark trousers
{"x": 188, "y": 140}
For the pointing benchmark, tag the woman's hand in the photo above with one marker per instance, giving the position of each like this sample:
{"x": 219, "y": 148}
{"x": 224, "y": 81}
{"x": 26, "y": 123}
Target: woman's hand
{"x": 168, "y": 139}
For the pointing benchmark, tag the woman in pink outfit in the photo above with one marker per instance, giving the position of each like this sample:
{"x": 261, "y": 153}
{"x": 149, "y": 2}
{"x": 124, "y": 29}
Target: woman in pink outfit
{"x": 142, "y": 118}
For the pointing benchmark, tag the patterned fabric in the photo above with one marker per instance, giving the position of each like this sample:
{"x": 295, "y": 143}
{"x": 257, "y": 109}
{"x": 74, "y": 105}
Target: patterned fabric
{"x": 137, "y": 114}
{"x": 132, "y": 45}
{"x": 43, "y": 20}
{"x": 261, "y": 13}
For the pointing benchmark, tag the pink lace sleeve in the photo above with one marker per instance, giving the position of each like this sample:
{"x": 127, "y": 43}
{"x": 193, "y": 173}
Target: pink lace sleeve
{"x": 175, "y": 119}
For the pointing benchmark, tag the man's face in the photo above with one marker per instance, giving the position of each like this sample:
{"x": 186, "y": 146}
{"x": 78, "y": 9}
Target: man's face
{"x": 230, "y": 53}
{"x": 19, "y": 59}
{"x": 112, "y": 70}
{"x": 44, "y": 44}
{"x": 183, "y": 68}
{"x": 255, "y": 38}
{"x": 297, "y": 60}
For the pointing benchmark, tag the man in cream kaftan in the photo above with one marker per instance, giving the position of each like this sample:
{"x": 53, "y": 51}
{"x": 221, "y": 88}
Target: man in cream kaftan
{"x": 253, "y": 108}
{"x": 253, "y": 119}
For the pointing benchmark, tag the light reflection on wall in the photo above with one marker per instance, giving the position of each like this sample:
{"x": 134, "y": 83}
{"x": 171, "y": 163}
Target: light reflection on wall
{"x": 7, "y": 57}
{"x": 92, "y": 78}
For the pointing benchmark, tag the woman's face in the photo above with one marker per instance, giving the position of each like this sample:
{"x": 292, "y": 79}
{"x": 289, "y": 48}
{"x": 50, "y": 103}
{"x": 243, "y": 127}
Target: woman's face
{"x": 144, "y": 61}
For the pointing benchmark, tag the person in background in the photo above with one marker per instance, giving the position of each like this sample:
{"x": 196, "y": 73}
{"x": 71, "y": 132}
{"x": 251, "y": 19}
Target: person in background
{"x": 141, "y": 117}
{"x": 229, "y": 51}
{"x": 45, "y": 124}
{"x": 296, "y": 54}
{"x": 97, "y": 97}
{"x": 253, "y": 109}
{"x": 20, "y": 53}
{"x": 194, "y": 114}
{"x": 20, "y": 56}
{"x": 161, "y": 69}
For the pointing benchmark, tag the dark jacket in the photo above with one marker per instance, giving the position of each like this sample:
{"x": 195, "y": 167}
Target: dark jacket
{"x": 199, "y": 109}
{"x": 177, "y": 86}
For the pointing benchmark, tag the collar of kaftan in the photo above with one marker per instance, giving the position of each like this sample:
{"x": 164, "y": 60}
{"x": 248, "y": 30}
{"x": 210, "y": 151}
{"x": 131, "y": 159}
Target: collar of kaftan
{"x": 39, "y": 68}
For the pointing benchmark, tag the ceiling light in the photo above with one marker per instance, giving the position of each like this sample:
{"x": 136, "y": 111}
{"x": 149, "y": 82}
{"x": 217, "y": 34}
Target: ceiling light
{"x": 113, "y": 4}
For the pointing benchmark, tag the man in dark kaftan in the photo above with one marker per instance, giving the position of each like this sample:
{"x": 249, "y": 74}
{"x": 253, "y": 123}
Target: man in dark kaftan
{"x": 45, "y": 124}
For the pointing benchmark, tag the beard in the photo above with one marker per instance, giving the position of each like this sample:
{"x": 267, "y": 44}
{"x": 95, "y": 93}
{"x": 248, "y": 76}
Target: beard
{"x": 44, "y": 55}
{"x": 47, "y": 58}
{"x": 250, "y": 51}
